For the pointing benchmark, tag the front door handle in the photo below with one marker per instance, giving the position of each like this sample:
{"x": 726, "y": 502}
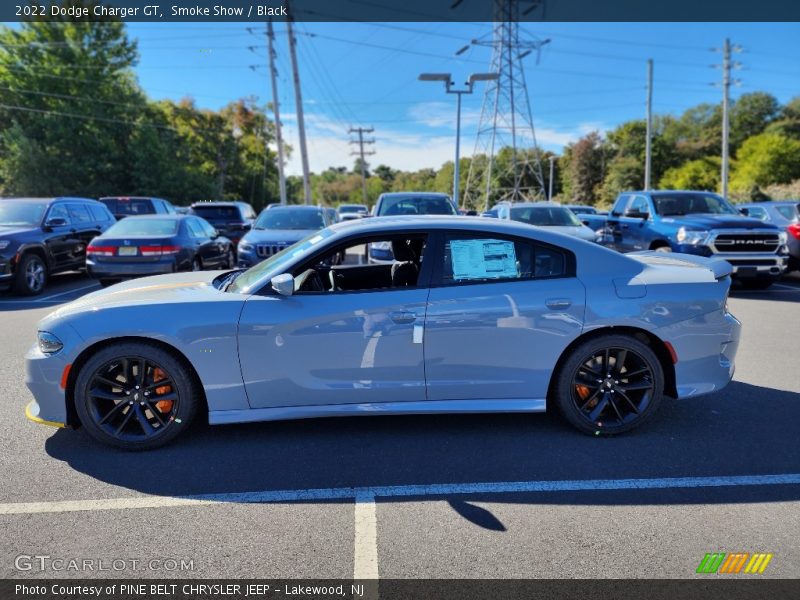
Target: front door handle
{"x": 558, "y": 303}
{"x": 402, "y": 317}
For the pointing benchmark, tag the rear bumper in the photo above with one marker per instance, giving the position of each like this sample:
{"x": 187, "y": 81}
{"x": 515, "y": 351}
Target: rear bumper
{"x": 112, "y": 270}
{"x": 706, "y": 358}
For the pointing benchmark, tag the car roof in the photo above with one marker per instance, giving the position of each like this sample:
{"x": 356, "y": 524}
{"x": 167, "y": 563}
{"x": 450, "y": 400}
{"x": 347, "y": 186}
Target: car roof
{"x": 218, "y": 203}
{"x": 299, "y": 207}
{"x": 52, "y": 199}
{"x": 772, "y": 203}
{"x": 670, "y": 192}
{"x": 412, "y": 194}
{"x": 131, "y": 198}
{"x": 174, "y": 217}
{"x": 541, "y": 203}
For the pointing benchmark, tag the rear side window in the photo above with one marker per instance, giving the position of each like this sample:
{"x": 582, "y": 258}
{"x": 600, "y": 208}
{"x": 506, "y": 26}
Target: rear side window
{"x": 195, "y": 229}
{"x": 100, "y": 214}
{"x": 471, "y": 258}
{"x": 757, "y": 212}
{"x": 791, "y": 213}
{"x": 78, "y": 213}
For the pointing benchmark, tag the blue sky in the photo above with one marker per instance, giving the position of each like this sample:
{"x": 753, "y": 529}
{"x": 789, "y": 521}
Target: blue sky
{"x": 591, "y": 76}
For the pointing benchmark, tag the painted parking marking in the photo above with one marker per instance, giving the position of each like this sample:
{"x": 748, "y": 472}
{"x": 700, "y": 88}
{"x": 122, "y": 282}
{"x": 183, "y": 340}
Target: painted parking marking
{"x": 365, "y": 557}
{"x": 85, "y": 287}
{"x": 396, "y": 491}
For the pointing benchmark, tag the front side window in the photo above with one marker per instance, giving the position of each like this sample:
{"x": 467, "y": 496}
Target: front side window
{"x": 639, "y": 204}
{"x": 471, "y": 258}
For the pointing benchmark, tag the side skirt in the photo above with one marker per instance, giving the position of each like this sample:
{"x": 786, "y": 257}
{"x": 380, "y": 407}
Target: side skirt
{"x": 222, "y": 417}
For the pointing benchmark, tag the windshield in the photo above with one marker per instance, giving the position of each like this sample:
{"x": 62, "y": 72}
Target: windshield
{"x": 296, "y": 219}
{"x": 129, "y": 206}
{"x": 133, "y": 226}
{"x": 545, "y": 215}
{"x": 416, "y": 205}
{"x": 217, "y": 213}
{"x": 276, "y": 262}
{"x": 14, "y": 214}
{"x": 688, "y": 204}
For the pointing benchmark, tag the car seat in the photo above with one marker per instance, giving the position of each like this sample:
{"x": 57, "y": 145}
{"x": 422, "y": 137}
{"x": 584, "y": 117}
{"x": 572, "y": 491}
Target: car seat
{"x": 405, "y": 270}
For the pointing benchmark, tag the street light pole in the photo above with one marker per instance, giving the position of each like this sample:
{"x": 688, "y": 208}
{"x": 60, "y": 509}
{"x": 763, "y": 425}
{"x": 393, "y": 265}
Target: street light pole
{"x": 470, "y": 83}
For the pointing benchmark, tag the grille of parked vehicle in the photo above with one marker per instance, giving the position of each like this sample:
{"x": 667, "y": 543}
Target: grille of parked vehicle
{"x": 267, "y": 250}
{"x": 742, "y": 241}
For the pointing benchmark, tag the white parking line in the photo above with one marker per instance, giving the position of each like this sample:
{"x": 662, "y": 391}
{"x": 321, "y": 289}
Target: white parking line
{"x": 390, "y": 491}
{"x": 46, "y": 298}
{"x": 365, "y": 558}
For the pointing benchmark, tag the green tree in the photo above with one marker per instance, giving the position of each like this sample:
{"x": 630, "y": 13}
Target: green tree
{"x": 766, "y": 159}
{"x": 750, "y": 115}
{"x": 582, "y": 168}
{"x": 700, "y": 174}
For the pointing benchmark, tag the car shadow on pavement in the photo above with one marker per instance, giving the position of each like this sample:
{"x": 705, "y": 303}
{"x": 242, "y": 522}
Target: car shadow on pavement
{"x": 743, "y": 430}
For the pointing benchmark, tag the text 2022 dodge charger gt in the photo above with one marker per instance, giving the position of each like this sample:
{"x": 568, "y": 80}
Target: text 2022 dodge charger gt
{"x": 474, "y": 315}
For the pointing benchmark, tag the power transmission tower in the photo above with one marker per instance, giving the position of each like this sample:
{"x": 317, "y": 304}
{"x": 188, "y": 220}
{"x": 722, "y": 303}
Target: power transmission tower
{"x": 301, "y": 126}
{"x": 727, "y": 65}
{"x": 361, "y": 154}
{"x": 506, "y": 122}
{"x": 276, "y": 109}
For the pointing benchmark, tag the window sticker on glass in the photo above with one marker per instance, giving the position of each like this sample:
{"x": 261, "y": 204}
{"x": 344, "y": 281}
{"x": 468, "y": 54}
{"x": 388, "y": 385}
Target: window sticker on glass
{"x": 483, "y": 259}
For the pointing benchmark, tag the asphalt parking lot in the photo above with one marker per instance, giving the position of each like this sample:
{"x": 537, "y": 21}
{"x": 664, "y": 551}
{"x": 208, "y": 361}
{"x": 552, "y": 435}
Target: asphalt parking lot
{"x": 427, "y": 496}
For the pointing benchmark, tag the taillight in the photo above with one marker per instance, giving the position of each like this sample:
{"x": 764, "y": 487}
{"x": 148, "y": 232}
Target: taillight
{"x": 794, "y": 230}
{"x": 101, "y": 250}
{"x": 159, "y": 250}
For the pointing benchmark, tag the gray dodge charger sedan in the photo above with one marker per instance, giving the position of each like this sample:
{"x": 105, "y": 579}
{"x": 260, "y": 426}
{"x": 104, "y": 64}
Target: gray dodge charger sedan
{"x": 474, "y": 315}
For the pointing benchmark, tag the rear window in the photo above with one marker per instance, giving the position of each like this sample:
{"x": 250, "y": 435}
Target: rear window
{"x": 217, "y": 213}
{"x": 416, "y": 205}
{"x": 545, "y": 216}
{"x": 132, "y": 227}
{"x": 129, "y": 206}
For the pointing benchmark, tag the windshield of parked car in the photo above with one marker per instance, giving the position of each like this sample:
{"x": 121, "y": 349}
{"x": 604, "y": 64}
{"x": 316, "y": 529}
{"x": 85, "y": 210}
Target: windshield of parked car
{"x": 15, "y": 214}
{"x": 668, "y": 205}
{"x": 416, "y": 205}
{"x": 545, "y": 215}
{"x": 288, "y": 218}
{"x": 275, "y": 263}
{"x": 352, "y": 208}
{"x": 217, "y": 213}
{"x": 129, "y": 206}
{"x": 133, "y": 226}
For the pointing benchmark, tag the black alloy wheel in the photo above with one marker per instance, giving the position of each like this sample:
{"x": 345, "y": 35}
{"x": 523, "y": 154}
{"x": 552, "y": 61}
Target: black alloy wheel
{"x": 610, "y": 385}
{"x": 134, "y": 396}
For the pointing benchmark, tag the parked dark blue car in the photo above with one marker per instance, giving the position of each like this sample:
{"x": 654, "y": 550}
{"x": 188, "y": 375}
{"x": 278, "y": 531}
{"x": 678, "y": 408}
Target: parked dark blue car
{"x": 155, "y": 245}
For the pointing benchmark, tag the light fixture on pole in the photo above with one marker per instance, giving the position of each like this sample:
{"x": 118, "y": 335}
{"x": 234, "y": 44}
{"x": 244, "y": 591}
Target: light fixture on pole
{"x": 470, "y": 83}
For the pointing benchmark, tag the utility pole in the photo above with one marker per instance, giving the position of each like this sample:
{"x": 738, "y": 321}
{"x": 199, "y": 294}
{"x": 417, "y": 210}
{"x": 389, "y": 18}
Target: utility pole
{"x": 361, "y": 141}
{"x": 550, "y": 182}
{"x": 298, "y": 98}
{"x": 727, "y": 65}
{"x": 276, "y": 109}
{"x": 649, "y": 142}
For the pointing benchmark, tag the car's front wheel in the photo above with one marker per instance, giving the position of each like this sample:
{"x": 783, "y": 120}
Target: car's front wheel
{"x": 31, "y": 275}
{"x": 609, "y": 384}
{"x": 135, "y": 396}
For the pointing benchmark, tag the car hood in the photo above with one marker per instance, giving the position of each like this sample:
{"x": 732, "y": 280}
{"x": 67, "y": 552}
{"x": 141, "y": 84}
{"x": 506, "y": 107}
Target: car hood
{"x": 261, "y": 236}
{"x": 194, "y": 286}
{"x": 704, "y": 221}
{"x": 7, "y": 232}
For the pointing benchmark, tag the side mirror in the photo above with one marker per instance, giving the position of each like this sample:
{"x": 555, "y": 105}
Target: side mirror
{"x": 283, "y": 284}
{"x": 745, "y": 211}
{"x": 56, "y": 222}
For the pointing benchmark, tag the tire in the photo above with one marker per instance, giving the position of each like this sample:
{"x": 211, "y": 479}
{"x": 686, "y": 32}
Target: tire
{"x": 756, "y": 284}
{"x": 197, "y": 264}
{"x": 31, "y": 275}
{"x": 106, "y": 396}
{"x": 579, "y": 395}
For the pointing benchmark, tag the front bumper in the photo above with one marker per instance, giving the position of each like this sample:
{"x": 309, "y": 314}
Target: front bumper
{"x": 745, "y": 264}
{"x": 43, "y": 374}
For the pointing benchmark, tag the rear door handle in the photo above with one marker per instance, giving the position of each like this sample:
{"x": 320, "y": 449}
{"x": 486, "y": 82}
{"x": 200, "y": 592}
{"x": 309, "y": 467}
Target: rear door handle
{"x": 557, "y": 303}
{"x": 402, "y": 317}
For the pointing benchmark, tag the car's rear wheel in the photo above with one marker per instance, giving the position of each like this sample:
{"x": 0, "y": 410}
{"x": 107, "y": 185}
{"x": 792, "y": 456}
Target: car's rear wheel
{"x": 135, "y": 396}
{"x": 197, "y": 264}
{"x": 609, "y": 384}
{"x": 31, "y": 275}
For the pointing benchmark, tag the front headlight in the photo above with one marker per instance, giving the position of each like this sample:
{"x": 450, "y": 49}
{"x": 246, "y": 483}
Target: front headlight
{"x": 688, "y": 236}
{"x": 4, "y": 244}
{"x": 783, "y": 239}
{"x": 48, "y": 343}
